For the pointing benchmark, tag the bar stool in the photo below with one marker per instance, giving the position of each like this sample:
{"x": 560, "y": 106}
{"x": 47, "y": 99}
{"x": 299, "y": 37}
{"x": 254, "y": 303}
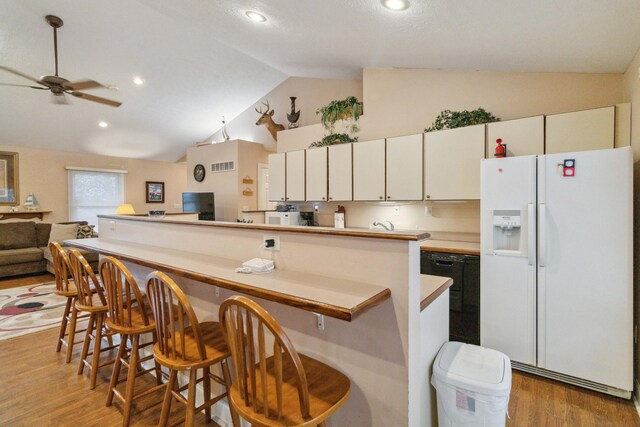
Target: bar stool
{"x": 186, "y": 348}
{"x": 127, "y": 316}
{"x": 66, "y": 288}
{"x": 284, "y": 389}
{"x": 90, "y": 300}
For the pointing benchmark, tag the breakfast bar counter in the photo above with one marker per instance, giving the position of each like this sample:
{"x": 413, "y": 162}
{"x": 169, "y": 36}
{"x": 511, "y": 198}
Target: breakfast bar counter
{"x": 339, "y": 298}
{"x": 351, "y": 298}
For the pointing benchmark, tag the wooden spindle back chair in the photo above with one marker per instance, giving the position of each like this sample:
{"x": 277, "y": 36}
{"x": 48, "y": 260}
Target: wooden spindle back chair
{"x": 126, "y": 306}
{"x": 239, "y": 316}
{"x": 184, "y": 344}
{"x": 128, "y": 315}
{"x": 278, "y": 386}
{"x": 173, "y": 313}
{"x": 90, "y": 300}
{"x": 85, "y": 281}
{"x": 62, "y": 270}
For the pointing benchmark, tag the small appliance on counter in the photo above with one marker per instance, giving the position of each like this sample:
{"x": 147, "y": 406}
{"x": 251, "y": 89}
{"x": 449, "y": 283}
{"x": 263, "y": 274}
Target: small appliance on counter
{"x": 338, "y": 217}
{"x": 285, "y": 208}
{"x": 308, "y": 218}
{"x": 282, "y": 218}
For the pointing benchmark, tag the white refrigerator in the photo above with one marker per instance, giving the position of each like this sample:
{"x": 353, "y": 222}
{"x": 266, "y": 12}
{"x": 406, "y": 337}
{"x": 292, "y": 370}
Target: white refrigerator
{"x": 557, "y": 263}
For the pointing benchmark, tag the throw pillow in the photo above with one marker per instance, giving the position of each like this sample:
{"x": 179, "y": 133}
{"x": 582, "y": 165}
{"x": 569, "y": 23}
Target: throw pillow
{"x": 60, "y": 232}
{"x": 85, "y": 231}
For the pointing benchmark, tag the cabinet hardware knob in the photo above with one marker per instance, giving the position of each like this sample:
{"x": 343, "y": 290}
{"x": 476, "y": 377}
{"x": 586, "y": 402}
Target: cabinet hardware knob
{"x": 380, "y": 197}
{"x": 281, "y": 198}
{"x": 388, "y": 197}
{"x": 323, "y": 198}
{"x": 330, "y": 198}
{"x": 428, "y": 196}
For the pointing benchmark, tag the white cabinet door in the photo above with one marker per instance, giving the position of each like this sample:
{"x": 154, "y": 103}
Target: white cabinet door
{"x": 368, "y": 170}
{"x": 340, "y": 173}
{"x": 523, "y": 137}
{"x": 317, "y": 179}
{"x": 580, "y": 130}
{"x": 452, "y": 163}
{"x": 277, "y": 177}
{"x": 404, "y": 168}
{"x": 295, "y": 176}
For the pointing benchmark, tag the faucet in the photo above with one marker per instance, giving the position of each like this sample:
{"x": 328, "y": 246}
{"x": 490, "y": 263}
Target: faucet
{"x": 390, "y": 228}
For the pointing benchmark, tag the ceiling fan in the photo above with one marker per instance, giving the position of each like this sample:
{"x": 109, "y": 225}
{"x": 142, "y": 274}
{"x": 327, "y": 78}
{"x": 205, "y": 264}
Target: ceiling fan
{"x": 58, "y": 85}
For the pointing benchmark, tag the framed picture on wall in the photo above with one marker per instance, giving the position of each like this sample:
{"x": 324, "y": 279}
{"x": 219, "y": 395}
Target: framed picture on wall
{"x": 155, "y": 192}
{"x": 9, "y": 178}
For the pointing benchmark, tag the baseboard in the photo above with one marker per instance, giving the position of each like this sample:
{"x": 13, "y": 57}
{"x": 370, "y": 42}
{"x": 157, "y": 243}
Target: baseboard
{"x": 602, "y": 388}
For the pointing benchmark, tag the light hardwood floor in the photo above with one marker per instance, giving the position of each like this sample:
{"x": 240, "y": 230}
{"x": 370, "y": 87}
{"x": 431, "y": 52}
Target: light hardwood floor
{"x": 38, "y": 388}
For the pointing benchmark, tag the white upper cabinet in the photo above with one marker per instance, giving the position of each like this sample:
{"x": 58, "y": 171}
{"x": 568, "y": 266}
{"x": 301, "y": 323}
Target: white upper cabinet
{"x": 369, "y": 170}
{"x": 452, "y": 163}
{"x": 340, "y": 173}
{"x": 317, "y": 174}
{"x": 580, "y": 130}
{"x": 404, "y": 168}
{"x": 295, "y": 176}
{"x": 523, "y": 137}
{"x": 277, "y": 177}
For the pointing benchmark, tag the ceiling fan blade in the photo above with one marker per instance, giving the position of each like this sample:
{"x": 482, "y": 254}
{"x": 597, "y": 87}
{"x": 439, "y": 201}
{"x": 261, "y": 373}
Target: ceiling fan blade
{"x": 84, "y": 84}
{"x": 96, "y": 99}
{"x": 32, "y": 87}
{"x": 18, "y": 73}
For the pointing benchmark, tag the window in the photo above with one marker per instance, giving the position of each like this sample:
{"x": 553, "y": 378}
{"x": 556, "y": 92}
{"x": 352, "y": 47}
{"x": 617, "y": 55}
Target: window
{"x": 93, "y": 193}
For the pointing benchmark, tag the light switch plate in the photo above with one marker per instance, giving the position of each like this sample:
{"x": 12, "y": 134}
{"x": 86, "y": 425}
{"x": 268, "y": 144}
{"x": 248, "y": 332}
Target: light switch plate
{"x": 396, "y": 210}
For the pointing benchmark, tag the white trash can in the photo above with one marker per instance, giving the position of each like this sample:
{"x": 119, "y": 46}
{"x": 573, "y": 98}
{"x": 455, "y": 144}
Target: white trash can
{"x": 473, "y": 385}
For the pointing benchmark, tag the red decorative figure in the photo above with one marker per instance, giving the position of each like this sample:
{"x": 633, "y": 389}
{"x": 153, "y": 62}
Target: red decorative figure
{"x": 501, "y": 149}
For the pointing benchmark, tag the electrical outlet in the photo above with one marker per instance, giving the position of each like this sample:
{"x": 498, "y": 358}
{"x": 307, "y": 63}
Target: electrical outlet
{"x": 396, "y": 210}
{"x": 319, "y": 321}
{"x": 428, "y": 211}
{"x": 271, "y": 243}
{"x": 316, "y": 208}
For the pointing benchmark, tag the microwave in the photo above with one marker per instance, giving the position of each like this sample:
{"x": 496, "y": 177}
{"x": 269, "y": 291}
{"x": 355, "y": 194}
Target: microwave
{"x": 282, "y": 218}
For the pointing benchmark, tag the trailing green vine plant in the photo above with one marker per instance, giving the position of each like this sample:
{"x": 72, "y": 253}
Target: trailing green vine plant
{"x": 448, "y": 119}
{"x": 339, "y": 110}
{"x": 349, "y": 108}
{"x": 334, "y": 138}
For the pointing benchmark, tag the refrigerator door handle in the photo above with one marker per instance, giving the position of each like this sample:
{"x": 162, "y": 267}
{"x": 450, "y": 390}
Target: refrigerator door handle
{"x": 531, "y": 234}
{"x": 542, "y": 235}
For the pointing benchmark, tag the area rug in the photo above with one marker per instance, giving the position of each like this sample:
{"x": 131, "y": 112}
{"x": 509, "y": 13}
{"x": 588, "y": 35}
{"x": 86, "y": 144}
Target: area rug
{"x": 29, "y": 309}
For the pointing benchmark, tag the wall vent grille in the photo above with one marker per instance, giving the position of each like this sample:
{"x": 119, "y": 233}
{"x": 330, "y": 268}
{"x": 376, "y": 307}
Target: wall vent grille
{"x": 223, "y": 166}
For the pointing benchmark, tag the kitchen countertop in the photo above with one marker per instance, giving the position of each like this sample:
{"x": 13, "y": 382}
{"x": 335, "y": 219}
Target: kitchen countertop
{"x": 450, "y": 246}
{"x": 406, "y": 235}
{"x": 431, "y": 287}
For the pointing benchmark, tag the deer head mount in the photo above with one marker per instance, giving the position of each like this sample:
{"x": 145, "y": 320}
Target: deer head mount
{"x": 266, "y": 118}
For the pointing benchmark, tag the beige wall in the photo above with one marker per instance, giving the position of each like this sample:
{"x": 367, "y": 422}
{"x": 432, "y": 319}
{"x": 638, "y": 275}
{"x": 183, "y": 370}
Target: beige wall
{"x": 632, "y": 94}
{"x": 311, "y": 94}
{"x": 227, "y": 186}
{"x": 43, "y": 173}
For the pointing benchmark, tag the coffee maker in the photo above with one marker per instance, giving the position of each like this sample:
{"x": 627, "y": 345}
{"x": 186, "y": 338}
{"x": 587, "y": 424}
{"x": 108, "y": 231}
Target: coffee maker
{"x": 308, "y": 218}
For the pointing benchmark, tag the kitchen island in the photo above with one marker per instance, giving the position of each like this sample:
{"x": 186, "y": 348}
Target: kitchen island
{"x": 350, "y": 298}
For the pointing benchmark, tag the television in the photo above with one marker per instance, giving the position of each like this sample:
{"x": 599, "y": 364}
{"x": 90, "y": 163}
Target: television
{"x": 199, "y": 202}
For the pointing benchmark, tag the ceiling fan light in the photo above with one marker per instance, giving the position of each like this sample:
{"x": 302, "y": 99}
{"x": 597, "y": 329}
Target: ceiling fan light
{"x": 396, "y": 4}
{"x": 255, "y": 16}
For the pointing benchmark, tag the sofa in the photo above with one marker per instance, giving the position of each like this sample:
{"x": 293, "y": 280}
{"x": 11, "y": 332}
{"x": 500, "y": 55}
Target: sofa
{"x": 24, "y": 248}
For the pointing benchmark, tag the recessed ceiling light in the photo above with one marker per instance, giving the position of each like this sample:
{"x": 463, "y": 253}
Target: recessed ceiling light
{"x": 255, "y": 16}
{"x": 396, "y": 4}
{"x": 138, "y": 80}
{"x": 103, "y": 124}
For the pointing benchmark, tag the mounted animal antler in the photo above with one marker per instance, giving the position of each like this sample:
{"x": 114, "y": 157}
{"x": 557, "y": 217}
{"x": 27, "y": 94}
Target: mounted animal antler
{"x": 267, "y": 119}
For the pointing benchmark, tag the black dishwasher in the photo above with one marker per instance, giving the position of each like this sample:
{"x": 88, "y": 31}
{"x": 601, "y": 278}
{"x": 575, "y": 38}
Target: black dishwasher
{"x": 464, "y": 294}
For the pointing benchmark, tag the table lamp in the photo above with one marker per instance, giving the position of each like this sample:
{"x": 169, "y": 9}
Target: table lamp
{"x": 125, "y": 209}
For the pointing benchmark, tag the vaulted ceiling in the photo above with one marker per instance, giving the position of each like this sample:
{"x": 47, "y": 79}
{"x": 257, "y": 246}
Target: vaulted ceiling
{"x": 202, "y": 59}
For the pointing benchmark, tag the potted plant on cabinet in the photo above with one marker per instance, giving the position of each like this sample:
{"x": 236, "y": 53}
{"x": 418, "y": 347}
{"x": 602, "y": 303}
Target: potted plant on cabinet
{"x": 346, "y": 109}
